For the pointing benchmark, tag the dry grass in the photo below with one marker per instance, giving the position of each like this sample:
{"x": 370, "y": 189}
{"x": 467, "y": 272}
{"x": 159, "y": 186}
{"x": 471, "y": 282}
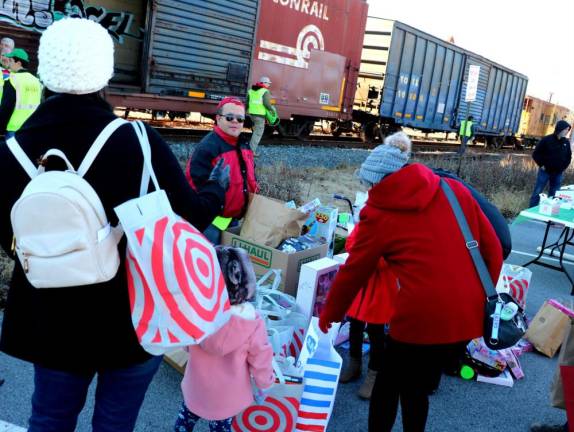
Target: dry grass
{"x": 507, "y": 182}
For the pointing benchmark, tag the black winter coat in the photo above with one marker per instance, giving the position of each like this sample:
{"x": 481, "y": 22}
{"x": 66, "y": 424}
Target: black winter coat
{"x": 490, "y": 211}
{"x": 553, "y": 154}
{"x": 86, "y": 328}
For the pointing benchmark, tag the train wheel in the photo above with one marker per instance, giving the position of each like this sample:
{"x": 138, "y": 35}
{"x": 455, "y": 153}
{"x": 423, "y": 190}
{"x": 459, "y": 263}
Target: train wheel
{"x": 304, "y": 128}
{"x": 369, "y": 132}
{"x": 495, "y": 142}
{"x": 335, "y": 129}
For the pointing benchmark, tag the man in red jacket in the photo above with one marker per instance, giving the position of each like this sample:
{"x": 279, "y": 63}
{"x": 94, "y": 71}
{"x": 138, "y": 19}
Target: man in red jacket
{"x": 225, "y": 143}
{"x": 440, "y": 304}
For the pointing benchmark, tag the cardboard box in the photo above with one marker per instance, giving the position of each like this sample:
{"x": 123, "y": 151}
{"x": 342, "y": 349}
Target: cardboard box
{"x": 314, "y": 283}
{"x": 177, "y": 358}
{"x": 265, "y": 258}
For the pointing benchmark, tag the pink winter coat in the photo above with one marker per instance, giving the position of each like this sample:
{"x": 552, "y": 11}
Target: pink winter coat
{"x": 217, "y": 383}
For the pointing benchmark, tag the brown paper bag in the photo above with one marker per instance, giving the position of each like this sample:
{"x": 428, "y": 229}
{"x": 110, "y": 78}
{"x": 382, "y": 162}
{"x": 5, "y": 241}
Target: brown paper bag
{"x": 269, "y": 222}
{"x": 566, "y": 358}
{"x": 547, "y": 329}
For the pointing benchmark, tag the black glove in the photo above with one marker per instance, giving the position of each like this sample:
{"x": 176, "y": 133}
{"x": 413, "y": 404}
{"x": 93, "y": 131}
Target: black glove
{"x": 220, "y": 174}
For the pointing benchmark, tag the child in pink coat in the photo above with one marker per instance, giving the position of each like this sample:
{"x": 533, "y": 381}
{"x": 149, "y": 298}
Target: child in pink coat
{"x": 217, "y": 381}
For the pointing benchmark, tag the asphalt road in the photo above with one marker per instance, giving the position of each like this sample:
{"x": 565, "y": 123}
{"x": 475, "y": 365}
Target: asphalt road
{"x": 457, "y": 406}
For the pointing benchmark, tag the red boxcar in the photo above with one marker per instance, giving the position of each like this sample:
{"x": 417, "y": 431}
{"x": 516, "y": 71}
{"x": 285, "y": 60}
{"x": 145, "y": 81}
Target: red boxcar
{"x": 184, "y": 56}
{"x": 311, "y": 50}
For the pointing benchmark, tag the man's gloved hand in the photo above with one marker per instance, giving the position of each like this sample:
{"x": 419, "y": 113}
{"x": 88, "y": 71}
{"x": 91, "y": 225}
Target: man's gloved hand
{"x": 220, "y": 174}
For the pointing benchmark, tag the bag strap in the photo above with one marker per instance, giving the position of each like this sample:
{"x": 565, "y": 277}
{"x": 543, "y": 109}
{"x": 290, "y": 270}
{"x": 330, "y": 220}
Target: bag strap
{"x": 21, "y": 157}
{"x": 471, "y": 243}
{"x": 148, "y": 171}
{"x": 278, "y": 371}
{"x": 98, "y": 144}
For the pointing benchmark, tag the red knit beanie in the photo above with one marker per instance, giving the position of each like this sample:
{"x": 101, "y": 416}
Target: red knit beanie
{"x": 230, "y": 100}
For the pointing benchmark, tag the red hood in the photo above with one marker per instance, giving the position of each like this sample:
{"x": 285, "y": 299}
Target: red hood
{"x": 410, "y": 188}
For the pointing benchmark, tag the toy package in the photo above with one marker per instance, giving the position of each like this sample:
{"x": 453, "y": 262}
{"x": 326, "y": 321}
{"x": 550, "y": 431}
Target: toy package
{"x": 322, "y": 223}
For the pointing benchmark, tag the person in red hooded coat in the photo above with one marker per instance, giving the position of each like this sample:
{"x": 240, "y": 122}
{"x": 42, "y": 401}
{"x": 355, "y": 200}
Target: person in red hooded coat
{"x": 440, "y": 304}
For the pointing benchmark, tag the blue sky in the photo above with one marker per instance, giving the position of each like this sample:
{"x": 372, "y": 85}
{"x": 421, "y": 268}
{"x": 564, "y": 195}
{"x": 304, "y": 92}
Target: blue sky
{"x": 534, "y": 38}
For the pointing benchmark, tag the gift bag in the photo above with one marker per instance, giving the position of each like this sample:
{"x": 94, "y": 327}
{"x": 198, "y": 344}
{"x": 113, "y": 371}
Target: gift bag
{"x": 277, "y": 413}
{"x": 285, "y": 327}
{"x": 322, "y": 367}
{"x": 566, "y": 358}
{"x": 514, "y": 280}
{"x": 269, "y": 222}
{"x": 176, "y": 289}
{"x": 547, "y": 329}
{"x": 269, "y": 300}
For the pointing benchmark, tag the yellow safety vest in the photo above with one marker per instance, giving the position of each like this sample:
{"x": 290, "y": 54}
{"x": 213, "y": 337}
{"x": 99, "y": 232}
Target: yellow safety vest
{"x": 28, "y": 97}
{"x": 465, "y": 128}
{"x": 256, "y": 106}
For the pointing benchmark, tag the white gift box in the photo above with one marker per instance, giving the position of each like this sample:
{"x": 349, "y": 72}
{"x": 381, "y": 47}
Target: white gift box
{"x": 315, "y": 282}
{"x": 341, "y": 258}
{"x": 504, "y": 379}
{"x": 549, "y": 206}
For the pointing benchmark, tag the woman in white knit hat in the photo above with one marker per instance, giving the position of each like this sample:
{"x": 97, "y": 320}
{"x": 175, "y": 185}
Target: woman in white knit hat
{"x": 73, "y": 334}
{"x": 439, "y": 306}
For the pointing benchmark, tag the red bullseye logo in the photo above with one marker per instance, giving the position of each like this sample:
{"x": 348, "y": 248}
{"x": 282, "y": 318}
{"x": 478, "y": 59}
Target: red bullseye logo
{"x": 184, "y": 285}
{"x": 275, "y": 414}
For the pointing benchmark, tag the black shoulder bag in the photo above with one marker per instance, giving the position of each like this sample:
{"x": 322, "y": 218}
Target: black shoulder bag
{"x": 498, "y": 333}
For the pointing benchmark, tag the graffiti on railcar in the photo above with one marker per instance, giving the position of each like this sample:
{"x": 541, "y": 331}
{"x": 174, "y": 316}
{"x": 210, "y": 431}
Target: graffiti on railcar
{"x": 37, "y": 15}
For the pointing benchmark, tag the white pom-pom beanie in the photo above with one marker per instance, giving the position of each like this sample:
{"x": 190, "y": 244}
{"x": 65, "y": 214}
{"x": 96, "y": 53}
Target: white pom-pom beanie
{"x": 75, "y": 56}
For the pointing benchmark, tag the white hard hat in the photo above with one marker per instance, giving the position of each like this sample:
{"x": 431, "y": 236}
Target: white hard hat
{"x": 265, "y": 80}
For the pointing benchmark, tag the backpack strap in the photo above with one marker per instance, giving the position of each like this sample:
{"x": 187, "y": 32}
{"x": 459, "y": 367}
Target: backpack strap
{"x": 148, "y": 171}
{"x": 98, "y": 144}
{"x": 21, "y": 157}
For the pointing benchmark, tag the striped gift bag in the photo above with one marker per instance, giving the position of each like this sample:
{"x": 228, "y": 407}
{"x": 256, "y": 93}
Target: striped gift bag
{"x": 322, "y": 367}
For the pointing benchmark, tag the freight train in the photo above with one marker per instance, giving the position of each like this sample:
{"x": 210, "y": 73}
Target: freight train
{"x": 184, "y": 56}
{"x": 409, "y": 78}
{"x": 539, "y": 118}
{"x": 326, "y": 60}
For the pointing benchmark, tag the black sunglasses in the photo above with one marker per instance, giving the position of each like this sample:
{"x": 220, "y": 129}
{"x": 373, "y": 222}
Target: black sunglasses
{"x": 231, "y": 117}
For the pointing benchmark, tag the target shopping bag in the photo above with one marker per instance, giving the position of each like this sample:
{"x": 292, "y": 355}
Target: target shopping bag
{"x": 278, "y": 412}
{"x": 177, "y": 292}
{"x": 514, "y": 280}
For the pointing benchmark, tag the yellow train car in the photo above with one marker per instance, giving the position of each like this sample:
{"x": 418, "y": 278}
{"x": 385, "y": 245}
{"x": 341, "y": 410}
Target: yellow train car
{"x": 539, "y": 118}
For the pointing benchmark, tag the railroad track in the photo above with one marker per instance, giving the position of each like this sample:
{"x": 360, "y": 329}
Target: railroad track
{"x": 176, "y": 134}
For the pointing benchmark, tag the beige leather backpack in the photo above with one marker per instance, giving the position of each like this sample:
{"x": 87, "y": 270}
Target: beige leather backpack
{"x": 61, "y": 233}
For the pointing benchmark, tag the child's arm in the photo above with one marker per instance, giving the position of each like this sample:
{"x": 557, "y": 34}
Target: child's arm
{"x": 260, "y": 356}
